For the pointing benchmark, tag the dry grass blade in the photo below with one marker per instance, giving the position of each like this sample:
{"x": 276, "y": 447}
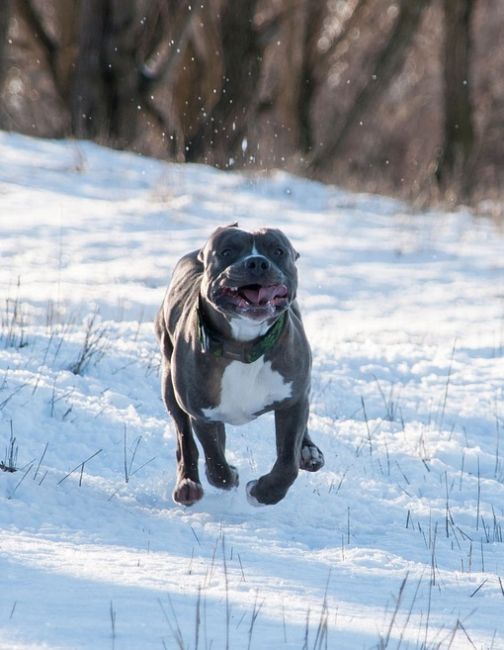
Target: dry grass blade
{"x": 175, "y": 631}
{"x": 9, "y": 464}
{"x": 384, "y": 642}
{"x": 79, "y": 466}
{"x": 92, "y": 348}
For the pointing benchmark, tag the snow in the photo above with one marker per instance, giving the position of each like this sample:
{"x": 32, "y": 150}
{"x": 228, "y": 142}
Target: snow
{"x": 405, "y": 314}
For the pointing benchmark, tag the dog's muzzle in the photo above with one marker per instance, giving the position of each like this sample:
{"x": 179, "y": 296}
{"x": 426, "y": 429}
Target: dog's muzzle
{"x": 253, "y": 288}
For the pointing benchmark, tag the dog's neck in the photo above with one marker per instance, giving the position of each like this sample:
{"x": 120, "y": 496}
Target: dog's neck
{"x": 216, "y": 336}
{"x": 244, "y": 351}
{"x": 246, "y": 329}
{"x": 238, "y": 328}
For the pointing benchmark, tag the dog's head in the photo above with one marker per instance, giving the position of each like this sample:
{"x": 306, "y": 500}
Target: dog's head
{"x": 249, "y": 274}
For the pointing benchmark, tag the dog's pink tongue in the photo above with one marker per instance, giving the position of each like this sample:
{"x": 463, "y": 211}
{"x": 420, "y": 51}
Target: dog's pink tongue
{"x": 263, "y": 295}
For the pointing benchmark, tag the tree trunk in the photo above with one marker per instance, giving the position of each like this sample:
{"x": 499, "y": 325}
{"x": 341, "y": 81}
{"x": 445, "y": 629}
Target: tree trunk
{"x": 458, "y": 139}
{"x": 36, "y": 27}
{"x": 89, "y": 108}
{"x": 387, "y": 67}
{"x": 241, "y": 64}
{"x": 5, "y": 15}
{"x": 122, "y": 72}
{"x": 315, "y": 14}
{"x": 66, "y": 24}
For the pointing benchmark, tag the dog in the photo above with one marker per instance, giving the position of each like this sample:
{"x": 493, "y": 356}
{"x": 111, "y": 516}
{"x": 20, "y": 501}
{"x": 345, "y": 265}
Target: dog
{"x": 233, "y": 347}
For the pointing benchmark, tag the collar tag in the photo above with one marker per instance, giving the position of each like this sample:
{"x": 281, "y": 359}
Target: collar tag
{"x": 235, "y": 355}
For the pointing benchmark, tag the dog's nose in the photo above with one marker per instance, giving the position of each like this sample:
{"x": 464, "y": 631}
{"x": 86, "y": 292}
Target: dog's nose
{"x": 257, "y": 264}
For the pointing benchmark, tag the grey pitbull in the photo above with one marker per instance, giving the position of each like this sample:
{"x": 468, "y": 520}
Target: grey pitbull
{"x": 233, "y": 348}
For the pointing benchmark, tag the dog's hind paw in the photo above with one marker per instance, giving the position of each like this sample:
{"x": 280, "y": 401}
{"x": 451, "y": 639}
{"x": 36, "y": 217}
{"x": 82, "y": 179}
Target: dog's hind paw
{"x": 187, "y": 492}
{"x": 312, "y": 459}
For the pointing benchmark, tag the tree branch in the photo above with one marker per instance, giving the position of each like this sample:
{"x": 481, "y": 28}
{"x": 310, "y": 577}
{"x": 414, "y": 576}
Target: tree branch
{"x": 163, "y": 66}
{"x": 388, "y": 65}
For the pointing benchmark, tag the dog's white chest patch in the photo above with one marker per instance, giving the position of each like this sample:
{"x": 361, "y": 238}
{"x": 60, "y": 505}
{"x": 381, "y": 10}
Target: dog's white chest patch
{"x": 246, "y": 390}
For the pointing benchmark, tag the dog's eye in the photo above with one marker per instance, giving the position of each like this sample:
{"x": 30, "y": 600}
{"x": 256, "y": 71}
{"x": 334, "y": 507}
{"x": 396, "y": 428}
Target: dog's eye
{"x": 279, "y": 251}
{"x": 226, "y": 252}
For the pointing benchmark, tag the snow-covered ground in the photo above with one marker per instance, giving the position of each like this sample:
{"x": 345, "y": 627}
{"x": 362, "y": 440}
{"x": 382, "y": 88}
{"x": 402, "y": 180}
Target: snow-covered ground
{"x": 397, "y": 542}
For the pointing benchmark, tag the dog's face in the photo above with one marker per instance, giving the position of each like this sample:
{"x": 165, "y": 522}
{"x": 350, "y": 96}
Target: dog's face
{"x": 249, "y": 274}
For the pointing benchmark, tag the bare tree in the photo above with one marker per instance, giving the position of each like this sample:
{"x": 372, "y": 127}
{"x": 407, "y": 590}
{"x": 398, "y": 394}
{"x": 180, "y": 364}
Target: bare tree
{"x": 129, "y": 53}
{"x": 388, "y": 64}
{"x": 35, "y": 24}
{"x": 317, "y": 61}
{"x": 89, "y": 110}
{"x": 5, "y": 16}
{"x": 316, "y": 12}
{"x": 222, "y": 134}
{"x": 121, "y": 70}
{"x": 458, "y": 137}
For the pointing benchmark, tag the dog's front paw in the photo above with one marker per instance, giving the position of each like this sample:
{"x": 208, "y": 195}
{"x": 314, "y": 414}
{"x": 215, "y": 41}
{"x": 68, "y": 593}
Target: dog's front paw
{"x": 312, "y": 459}
{"x": 224, "y": 478}
{"x": 250, "y": 494}
{"x": 187, "y": 492}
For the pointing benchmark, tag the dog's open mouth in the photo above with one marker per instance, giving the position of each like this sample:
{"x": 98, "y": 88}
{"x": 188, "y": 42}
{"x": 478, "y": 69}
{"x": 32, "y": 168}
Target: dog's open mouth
{"x": 255, "y": 297}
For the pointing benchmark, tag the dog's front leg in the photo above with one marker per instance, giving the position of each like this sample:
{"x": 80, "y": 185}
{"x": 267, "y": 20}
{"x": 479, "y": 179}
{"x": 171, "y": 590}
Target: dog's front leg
{"x": 188, "y": 488}
{"x": 290, "y": 424}
{"x": 212, "y": 436}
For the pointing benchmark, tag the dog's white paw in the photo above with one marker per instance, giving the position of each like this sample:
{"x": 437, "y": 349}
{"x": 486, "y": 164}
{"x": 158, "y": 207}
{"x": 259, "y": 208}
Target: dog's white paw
{"x": 250, "y": 497}
{"x": 187, "y": 492}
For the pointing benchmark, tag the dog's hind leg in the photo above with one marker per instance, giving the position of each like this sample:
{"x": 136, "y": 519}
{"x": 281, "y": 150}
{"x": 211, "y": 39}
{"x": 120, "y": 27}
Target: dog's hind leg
{"x": 212, "y": 436}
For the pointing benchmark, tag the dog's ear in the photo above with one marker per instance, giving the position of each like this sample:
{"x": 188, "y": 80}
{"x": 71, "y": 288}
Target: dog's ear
{"x": 296, "y": 255}
{"x": 201, "y": 252}
{"x": 221, "y": 228}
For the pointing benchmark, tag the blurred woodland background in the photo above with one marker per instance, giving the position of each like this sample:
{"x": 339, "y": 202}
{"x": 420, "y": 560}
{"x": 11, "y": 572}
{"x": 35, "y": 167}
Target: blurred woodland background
{"x": 403, "y": 97}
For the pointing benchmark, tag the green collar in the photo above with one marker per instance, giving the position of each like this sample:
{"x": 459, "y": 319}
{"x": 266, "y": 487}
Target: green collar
{"x": 244, "y": 351}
